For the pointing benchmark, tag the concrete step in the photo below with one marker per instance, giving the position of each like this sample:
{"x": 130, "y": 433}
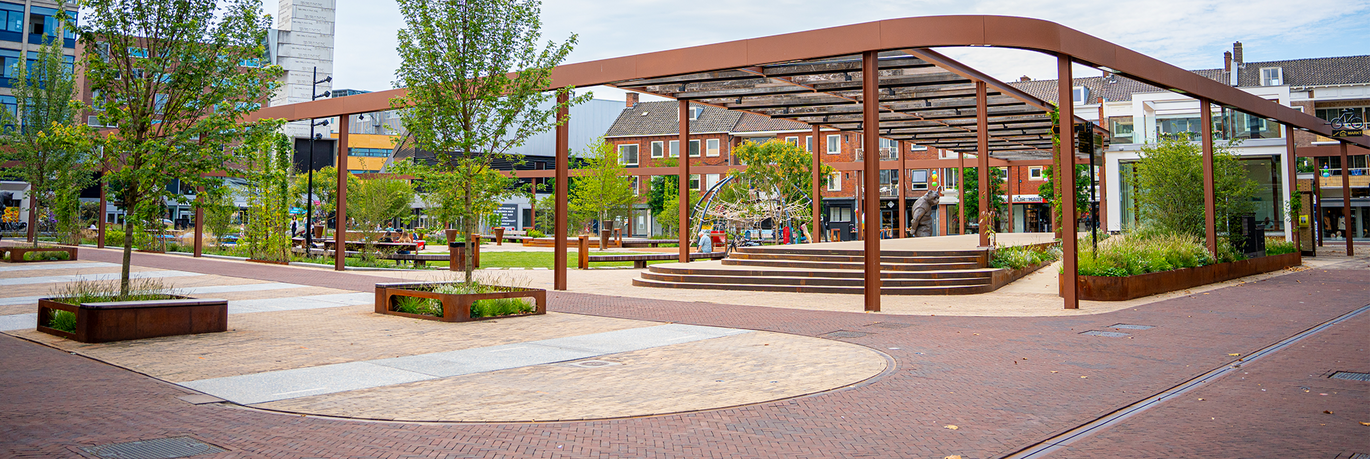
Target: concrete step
{"x": 801, "y": 249}
{"x": 796, "y": 264}
{"x": 854, "y": 258}
{"x": 884, "y": 290}
{"x": 811, "y": 281}
{"x": 681, "y": 269}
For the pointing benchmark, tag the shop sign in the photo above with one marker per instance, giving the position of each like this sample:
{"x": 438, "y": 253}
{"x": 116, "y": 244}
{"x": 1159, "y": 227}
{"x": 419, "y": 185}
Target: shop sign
{"x": 1348, "y": 124}
{"x": 1027, "y": 199}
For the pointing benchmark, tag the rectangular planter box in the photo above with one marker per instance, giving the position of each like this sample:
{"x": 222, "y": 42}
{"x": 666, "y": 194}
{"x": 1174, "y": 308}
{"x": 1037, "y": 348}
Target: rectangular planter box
{"x": 455, "y": 307}
{"x": 1106, "y": 288}
{"x": 16, "y": 254}
{"x": 119, "y": 321}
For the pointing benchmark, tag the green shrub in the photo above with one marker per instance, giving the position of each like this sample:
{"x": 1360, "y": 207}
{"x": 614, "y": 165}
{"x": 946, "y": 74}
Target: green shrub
{"x": 89, "y": 291}
{"x": 45, "y": 255}
{"x": 1276, "y": 246}
{"x": 1019, "y": 257}
{"x": 63, "y": 320}
{"x": 501, "y": 307}
{"x": 1142, "y": 253}
{"x": 535, "y": 233}
{"x": 480, "y": 308}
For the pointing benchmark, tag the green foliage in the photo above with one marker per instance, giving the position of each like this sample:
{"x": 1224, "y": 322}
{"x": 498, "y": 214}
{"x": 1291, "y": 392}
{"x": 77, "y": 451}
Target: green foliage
{"x": 178, "y": 79}
{"x": 47, "y": 256}
{"x": 1019, "y": 257}
{"x": 501, "y": 307}
{"x": 1144, "y": 252}
{"x": 669, "y": 216}
{"x": 775, "y": 169}
{"x": 325, "y": 189}
{"x": 480, "y": 308}
{"x": 476, "y": 83}
{"x": 604, "y": 192}
{"x": 534, "y": 233}
{"x": 375, "y": 203}
{"x": 1170, "y": 188}
{"x": 63, "y": 320}
{"x": 91, "y": 291}
{"x": 267, "y": 233}
{"x": 1082, "y": 183}
{"x": 1278, "y": 246}
{"x": 970, "y": 194}
{"x": 217, "y": 201}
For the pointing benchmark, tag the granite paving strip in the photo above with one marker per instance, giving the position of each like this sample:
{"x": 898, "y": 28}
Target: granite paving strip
{"x": 18, "y": 321}
{"x": 328, "y": 379}
{"x": 285, "y": 340}
{"x": 300, "y": 303}
{"x": 44, "y": 266}
{"x": 93, "y": 277}
{"x": 725, "y": 371}
{"x": 12, "y": 319}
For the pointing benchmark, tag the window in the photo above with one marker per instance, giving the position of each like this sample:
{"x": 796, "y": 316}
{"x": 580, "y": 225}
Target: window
{"x": 675, "y": 148}
{"x": 808, "y": 144}
{"x": 1272, "y": 76}
{"x": 10, "y": 104}
{"x": 627, "y": 154}
{"x": 1079, "y": 94}
{"x": 369, "y": 152}
{"x": 950, "y": 178}
{"x": 792, "y": 141}
{"x": 1035, "y": 173}
{"x": 9, "y": 60}
{"x": 918, "y": 179}
{"x": 839, "y": 214}
{"x": 710, "y": 180}
{"x": 889, "y": 149}
{"x": 834, "y": 181}
{"x": 1189, "y": 127}
{"x": 13, "y": 17}
{"x": 711, "y": 148}
{"x": 658, "y": 148}
{"x": 834, "y": 144}
{"x": 635, "y": 182}
{"x": 913, "y": 147}
{"x": 695, "y": 112}
{"x": 1121, "y": 128}
{"x": 694, "y": 181}
{"x": 694, "y": 148}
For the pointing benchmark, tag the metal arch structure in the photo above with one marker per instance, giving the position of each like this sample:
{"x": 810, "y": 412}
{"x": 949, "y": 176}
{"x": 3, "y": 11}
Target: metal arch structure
{"x": 821, "y": 77}
{"x": 700, "y": 211}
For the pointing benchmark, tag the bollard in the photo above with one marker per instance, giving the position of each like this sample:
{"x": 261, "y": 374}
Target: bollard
{"x": 583, "y": 256}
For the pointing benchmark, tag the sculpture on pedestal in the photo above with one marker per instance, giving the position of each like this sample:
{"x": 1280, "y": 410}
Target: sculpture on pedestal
{"x": 923, "y": 211}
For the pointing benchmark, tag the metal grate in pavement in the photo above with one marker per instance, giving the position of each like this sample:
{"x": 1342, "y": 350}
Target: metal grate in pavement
{"x": 1106, "y": 334}
{"x": 1132, "y": 327}
{"x": 161, "y": 448}
{"x": 592, "y": 363}
{"x": 890, "y": 325}
{"x": 846, "y": 334}
{"x": 1353, "y": 376}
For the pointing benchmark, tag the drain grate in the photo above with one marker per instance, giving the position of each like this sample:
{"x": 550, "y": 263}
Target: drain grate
{"x": 847, "y": 334}
{"x": 1106, "y": 334}
{"x": 890, "y": 325}
{"x": 161, "y": 448}
{"x": 593, "y": 363}
{"x": 1353, "y": 376}
{"x": 1132, "y": 327}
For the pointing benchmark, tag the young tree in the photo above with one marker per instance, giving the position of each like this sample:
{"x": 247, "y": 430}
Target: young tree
{"x": 475, "y": 78}
{"x": 778, "y": 167}
{"x": 448, "y": 199}
{"x": 1047, "y": 190}
{"x": 1170, "y": 188}
{"x": 177, "y": 77}
{"x": 606, "y": 192}
{"x": 217, "y": 202}
{"x": 970, "y": 194}
{"x": 42, "y": 136}
{"x": 375, "y": 203}
{"x": 269, "y": 169}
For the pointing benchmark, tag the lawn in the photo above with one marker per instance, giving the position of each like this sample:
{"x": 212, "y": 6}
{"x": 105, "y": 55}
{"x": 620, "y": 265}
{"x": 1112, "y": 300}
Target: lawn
{"x": 504, "y": 260}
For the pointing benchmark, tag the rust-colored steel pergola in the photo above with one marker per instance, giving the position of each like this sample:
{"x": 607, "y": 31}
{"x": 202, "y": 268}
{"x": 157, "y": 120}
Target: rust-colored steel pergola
{"x": 821, "y": 77}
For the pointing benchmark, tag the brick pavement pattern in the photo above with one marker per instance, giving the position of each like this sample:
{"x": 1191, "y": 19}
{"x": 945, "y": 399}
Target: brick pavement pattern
{"x": 1005, "y": 383}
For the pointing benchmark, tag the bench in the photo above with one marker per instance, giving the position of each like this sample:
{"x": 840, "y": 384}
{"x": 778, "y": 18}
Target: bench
{"x": 640, "y": 260}
{"x": 419, "y": 259}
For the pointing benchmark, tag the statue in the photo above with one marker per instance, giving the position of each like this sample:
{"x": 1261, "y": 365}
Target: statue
{"x": 923, "y": 211}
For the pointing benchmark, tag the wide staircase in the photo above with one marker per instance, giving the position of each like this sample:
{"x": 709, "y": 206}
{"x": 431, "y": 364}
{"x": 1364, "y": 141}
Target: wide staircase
{"x": 798, "y": 269}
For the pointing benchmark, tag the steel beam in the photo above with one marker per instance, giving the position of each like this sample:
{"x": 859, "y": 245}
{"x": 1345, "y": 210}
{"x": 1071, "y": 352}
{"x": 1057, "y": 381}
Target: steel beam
{"x": 1210, "y": 200}
{"x": 982, "y": 160}
{"x": 816, "y": 198}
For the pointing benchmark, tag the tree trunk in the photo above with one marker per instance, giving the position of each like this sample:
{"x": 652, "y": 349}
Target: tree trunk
{"x": 128, "y": 254}
{"x": 33, "y": 215}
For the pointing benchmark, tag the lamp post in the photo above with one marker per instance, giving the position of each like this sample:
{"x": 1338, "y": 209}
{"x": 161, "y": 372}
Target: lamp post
{"x": 309, "y": 187}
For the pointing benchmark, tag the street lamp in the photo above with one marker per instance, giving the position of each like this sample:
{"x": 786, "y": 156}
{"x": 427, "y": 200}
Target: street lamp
{"x": 309, "y": 199}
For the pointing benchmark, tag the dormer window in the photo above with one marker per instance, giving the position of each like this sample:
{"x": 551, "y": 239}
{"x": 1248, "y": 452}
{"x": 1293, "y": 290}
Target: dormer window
{"x": 1272, "y": 76}
{"x": 1079, "y": 94}
{"x": 695, "y": 112}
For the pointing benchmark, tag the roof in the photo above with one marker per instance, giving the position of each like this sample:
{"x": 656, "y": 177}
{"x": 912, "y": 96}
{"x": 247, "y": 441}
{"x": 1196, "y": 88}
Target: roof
{"x": 1114, "y": 88}
{"x": 1320, "y": 71}
{"x": 660, "y": 118}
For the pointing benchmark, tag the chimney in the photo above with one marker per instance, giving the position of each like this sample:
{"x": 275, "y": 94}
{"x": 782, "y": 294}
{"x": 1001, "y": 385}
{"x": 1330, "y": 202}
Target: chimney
{"x": 1024, "y": 78}
{"x": 1237, "y": 54}
{"x": 632, "y": 99}
{"x": 1227, "y": 61}
{"x": 1234, "y": 76}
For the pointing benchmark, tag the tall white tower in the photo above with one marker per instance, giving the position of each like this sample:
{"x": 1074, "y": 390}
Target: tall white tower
{"x": 302, "y": 42}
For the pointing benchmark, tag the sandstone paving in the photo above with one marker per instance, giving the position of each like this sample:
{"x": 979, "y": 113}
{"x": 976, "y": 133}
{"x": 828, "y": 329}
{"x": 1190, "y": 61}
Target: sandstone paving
{"x": 727, "y": 371}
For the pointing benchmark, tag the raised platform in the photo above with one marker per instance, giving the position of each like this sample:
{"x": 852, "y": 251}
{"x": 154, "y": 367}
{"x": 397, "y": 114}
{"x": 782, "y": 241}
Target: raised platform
{"x": 949, "y": 265}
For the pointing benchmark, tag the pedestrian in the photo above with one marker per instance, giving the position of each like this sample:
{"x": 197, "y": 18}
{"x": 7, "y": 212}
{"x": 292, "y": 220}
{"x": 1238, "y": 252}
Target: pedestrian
{"x": 705, "y": 242}
{"x": 294, "y": 227}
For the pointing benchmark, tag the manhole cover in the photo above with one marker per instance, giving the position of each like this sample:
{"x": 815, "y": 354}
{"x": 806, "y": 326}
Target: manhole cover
{"x": 161, "y": 448}
{"x": 847, "y": 334}
{"x": 890, "y": 325}
{"x": 1131, "y": 327}
{"x": 593, "y": 363}
{"x": 1106, "y": 334}
{"x": 1353, "y": 376}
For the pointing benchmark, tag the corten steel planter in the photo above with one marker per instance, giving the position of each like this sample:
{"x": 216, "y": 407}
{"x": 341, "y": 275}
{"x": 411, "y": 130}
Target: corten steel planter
{"x": 16, "y": 254}
{"x": 1005, "y": 276}
{"x": 455, "y": 307}
{"x": 126, "y": 320}
{"x": 1107, "y": 288}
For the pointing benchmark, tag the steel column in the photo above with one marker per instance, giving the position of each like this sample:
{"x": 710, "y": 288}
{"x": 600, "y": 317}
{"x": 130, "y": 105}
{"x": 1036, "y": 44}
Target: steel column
{"x": 104, "y": 202}
{"x": 1103, "y": 194}
{"x": 1059, "y": 176}
{"x": 900, "y": 182}
{"x": 563, "y": 160}
{"x": 1210, "y": 200}
{"x": 961, "y": 191}
{"x": 1346, "y": 201}
{"x": 1070, "y": 276}
{"x": 200, "y": 221}
{"x": 982, "y": 157}
{"x": 1318, "y": 227}
{"x": 1009, "y": 181}
{"x": 1291, "y": 184}
{"x": 340, "y": 214}
{"x": 684, "y": 197}
{"x": 870, "y": 108}
{"x": 816, "y": 198}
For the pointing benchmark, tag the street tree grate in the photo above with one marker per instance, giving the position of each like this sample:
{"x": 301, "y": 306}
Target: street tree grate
{"x": 847, "y": 334}
{"x": 1352, "y": 376}
{"x": 890, "y": 325}
{"x": 1131, "y": 327}
{"x": 161, "y": 448}
{"x": 1106, "y": 334}
{"x": 593, "y": 363}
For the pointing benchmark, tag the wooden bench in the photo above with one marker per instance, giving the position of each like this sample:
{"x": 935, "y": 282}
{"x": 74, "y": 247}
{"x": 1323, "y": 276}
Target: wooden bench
{"x": 640, "y": 260}
{"x": 419, "y": 259}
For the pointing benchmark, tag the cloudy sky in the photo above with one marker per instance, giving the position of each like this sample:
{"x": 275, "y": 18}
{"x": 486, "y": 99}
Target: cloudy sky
{"x": 1188, "y": 33}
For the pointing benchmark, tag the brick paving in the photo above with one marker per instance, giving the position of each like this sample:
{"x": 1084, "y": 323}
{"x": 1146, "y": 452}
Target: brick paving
{"x": 1004, "y": 383}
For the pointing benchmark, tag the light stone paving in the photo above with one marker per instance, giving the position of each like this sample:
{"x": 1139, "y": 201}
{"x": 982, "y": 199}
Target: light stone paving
{"x": 92, "y": 277}
{"x": 49, "y": 265}
{"x": 18, "y": 321}
{"x": 727, "y": 371}
{"x": 327, "y": 379}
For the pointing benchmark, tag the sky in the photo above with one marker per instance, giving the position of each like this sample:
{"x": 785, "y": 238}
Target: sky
{"x": 1191, "y": 34}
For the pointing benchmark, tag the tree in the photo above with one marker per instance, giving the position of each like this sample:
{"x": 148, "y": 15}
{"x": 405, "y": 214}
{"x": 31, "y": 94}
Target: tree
{"x": 970, "y": 194}
{"x": 662, "y": 186}
{"x": 219, "y": 208}
{"x": 669, "y": 216}
{"x": 325, "y": 191}
{"x": 375, "y": 203}
{"x": 268, "y": 173}
{"x": 178, "y": 78}
{"x": 1082, "y": 184}
{"x": 605, "y": 192}
{"x": 42, "y": 136}
{"x": 476, "y": 78}
{"x": 1170, "y": 188}
{"x": 448, "y": 199}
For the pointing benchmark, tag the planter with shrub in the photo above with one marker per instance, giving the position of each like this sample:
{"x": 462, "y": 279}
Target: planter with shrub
{"x": 94, "y": 312}
{"x": 1136, "y": 266}
{"x": 458, "y": 301}
{"x": 42, "y": 253}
